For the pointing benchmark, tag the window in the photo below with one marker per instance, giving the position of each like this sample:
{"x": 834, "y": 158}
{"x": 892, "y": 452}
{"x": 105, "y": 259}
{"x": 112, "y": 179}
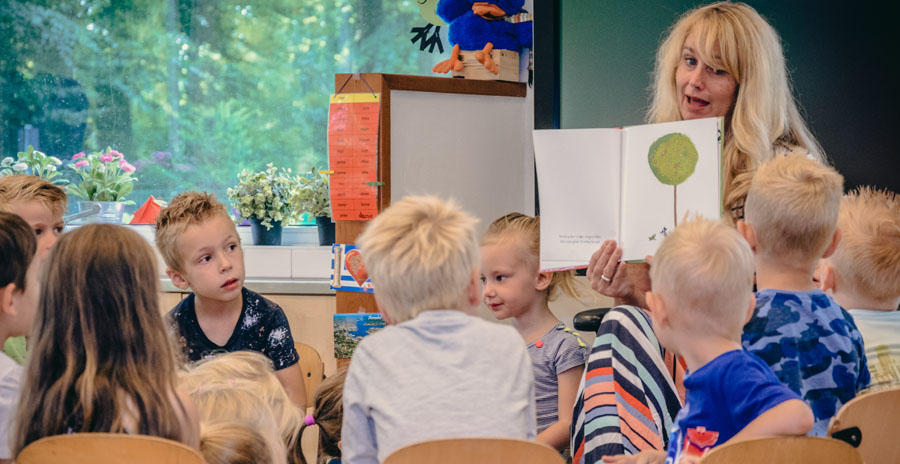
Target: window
{"x": 192, "y": 91}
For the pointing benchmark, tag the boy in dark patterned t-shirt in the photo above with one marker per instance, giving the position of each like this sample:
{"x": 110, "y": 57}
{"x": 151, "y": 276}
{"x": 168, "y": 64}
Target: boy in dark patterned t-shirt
{"x": 810, "y": 342}
{"x": 203, "y": 252}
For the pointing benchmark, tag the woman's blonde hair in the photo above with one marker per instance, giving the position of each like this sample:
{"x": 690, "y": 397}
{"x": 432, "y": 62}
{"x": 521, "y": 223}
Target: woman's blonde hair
{"x": 212, "y": 384}
{"x": 234, "y": 442}
{"x": 99, "y": 351}
{"x": 527, "y": 229}
{"x": 765, "y": 119}
{"x": 328, "y": 412}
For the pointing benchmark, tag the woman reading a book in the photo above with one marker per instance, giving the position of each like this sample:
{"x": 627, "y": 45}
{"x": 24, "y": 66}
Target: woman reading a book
{"x": 718, "y": 60}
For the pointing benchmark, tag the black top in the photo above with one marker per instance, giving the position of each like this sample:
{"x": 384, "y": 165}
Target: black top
{"x": 262, "y": 327}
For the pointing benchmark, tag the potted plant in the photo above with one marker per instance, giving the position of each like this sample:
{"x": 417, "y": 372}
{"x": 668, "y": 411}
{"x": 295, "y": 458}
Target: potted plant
{"x": 106, "y": 180}
{"x": 312, "y": 198}
{"x": 265, "y": 198}
{"x": 33, "y": 162}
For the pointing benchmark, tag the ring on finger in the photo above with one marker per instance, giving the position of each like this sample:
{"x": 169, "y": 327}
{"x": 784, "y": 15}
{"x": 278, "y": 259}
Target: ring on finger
{"x": 603, "y": 276}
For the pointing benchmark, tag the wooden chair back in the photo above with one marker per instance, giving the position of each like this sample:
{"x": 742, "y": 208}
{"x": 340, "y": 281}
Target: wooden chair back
{"x": 869, "y": 422}
{"x": 107, "y": 448}
{"x": 313, "y": 369}
{"x": 784, "y": 450}
{"x": 475, "y": 451}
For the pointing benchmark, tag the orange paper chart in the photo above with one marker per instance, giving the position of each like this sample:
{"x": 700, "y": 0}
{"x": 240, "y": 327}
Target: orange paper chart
{"x": 352, "y": 155}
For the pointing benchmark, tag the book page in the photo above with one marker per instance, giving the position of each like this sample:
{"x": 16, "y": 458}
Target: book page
{"x": 669, "y": 169}
{"x": 578, "y": 186}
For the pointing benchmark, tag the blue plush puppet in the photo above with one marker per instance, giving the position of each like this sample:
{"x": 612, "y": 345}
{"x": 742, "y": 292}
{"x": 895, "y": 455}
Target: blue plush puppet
{"x": 482, "y": 26}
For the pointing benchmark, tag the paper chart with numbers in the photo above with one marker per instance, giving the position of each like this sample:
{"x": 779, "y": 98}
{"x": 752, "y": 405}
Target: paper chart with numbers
{"x": 353, "y": 155}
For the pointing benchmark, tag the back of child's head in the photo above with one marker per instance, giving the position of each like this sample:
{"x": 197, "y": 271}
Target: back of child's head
{"x": 213, "y": 381}
{"x": 328, "y": 414}
{"x": 234, "y": 442}
{"x": 99, "y": 342}
{"x": 793, "y": 206}
{"x": 525, "y": 232}
{"x": 24, "y": 188}
{"x": 17, "y": 248}
{"x": 868, "y": 257}
{"x": 421, "y": 253}
{"x": 704, "y": 271}
{"x": 185, "y": 210}
{"x": 241, "y": 403}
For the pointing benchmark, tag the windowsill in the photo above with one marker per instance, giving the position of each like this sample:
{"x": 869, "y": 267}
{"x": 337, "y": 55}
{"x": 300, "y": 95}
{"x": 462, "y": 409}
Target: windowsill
{"x": 299, "y": 266}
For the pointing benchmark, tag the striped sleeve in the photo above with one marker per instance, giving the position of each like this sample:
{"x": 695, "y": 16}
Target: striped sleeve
{"x": 627, "y": 399}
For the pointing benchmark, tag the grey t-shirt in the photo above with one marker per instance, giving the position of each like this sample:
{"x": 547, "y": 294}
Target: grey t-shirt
{"x": 442, "y": 374}
{"x": 560, "y": 350}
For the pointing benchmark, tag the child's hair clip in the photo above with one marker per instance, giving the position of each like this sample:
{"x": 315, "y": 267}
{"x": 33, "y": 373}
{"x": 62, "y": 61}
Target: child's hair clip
{"x": 309, "y": 420}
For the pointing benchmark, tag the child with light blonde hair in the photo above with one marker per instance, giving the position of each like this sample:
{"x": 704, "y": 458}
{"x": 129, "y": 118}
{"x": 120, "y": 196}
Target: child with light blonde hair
{"x": 202, "y": 250}
{"x": 514, "y": 287}
{"x": 863, "y": 276}
{"x": 810, "y": 342}
{"x": 42, "y": 205}
{"x": 437, "y": 370}
{"x": 242, "y": 386}
{"x": 100, "y": 358}
{"x": 702, "y": 295}
{"x": 234, "y": 442}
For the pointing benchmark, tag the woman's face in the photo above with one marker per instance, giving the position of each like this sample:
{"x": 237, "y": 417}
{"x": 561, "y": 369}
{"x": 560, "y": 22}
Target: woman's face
{"x": 703, "y": 92}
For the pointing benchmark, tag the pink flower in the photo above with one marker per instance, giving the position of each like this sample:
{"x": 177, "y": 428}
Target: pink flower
{"x": 116, "y": 154}
{"x": 106, "y": 158}
{"x": 82, "y": 163}
{"x": 78, "y": 155}
{"x": 126, "y": 166}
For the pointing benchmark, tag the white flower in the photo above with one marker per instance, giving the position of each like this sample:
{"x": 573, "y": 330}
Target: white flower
{"x": 6, "y": 161}
{"x": 51, "y": 168}
{"x": 20, "y": 167}
{"x": 56, "y": 161}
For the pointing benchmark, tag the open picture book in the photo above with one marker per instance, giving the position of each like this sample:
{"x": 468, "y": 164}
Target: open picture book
{"x": 632, "y": 185}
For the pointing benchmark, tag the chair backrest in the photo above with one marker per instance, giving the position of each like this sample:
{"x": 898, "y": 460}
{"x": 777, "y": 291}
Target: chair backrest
{"x": 784, "y": 450}
{"x": 475, "y": 451}
{"x": 869, "y": 421}
{"x": 107, "y": 448}
{"x": 313, "y": 369}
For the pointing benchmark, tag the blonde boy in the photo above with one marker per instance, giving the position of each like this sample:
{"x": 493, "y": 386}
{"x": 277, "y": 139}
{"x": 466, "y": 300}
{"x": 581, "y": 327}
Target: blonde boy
{"x": 810, "y": 342}
{"x": 41, "y": 204}
{"x": 202, "y": 251}
{"x": 19, "y": 290}
{"x": 863, "y": 275}
{"x": 702, "y": 278}
{"x": 438, "y": 370}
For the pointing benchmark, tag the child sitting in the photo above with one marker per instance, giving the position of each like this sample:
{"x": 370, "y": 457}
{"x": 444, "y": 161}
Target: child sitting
{"x": 437, "y": 370}
{"x": 202, "y": 250}
{"x": 863, "y": 275}
{"x": 100, "y": 358}
{"x": 514, "y": 287}
{"x": 810, "y": 342}
{"x": 328, "y": 414}
{"x": 234, "y": 442}
{"x": 19, "y": 289}
{"x": 702, "y": 278}
{"x": 41, "y": 204}
{"x": 241, "y": 386}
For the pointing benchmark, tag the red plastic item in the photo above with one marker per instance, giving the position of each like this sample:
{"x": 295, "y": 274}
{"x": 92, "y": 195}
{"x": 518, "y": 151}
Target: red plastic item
{"x": 147, "y": 213}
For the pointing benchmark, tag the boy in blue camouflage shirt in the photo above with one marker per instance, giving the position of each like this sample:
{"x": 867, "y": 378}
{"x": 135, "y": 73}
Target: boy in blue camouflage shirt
{"x": 810, "y": 342}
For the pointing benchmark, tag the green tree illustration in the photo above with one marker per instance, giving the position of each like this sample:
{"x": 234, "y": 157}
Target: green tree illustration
{"x": 673, "y": 158}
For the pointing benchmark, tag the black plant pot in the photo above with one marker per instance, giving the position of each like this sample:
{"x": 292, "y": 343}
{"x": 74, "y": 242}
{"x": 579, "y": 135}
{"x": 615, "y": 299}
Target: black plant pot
{"x": 326, "y": 230}
{"x": 264, "y": 237}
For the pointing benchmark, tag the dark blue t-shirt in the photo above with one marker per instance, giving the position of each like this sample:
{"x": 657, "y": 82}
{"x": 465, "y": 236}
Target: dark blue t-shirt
{"x": 721, "y": 398}
{"x": 262, "y": 326}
